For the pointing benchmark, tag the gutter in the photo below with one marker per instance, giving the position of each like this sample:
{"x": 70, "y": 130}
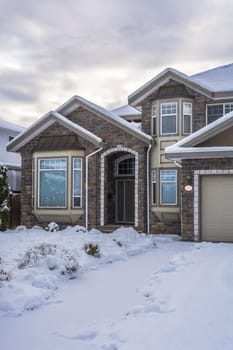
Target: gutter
{"x": 87, "y": 178}
{"x": 148, "y": 188}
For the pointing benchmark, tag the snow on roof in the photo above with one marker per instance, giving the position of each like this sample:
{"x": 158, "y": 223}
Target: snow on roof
{"x": 203, "y": 131}
{"x": 218, "y": 79}
{"x": 126, "y": 110}
{"x": 10, "y": 126}
{"x": 111, "y": 115}
{"x": 39, "y": 125}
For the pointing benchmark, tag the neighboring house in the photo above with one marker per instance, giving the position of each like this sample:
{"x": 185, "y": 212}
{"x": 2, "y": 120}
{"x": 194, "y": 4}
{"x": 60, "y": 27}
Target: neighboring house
{"x": 11, "y": 160}
{"x": 83, "y": 164}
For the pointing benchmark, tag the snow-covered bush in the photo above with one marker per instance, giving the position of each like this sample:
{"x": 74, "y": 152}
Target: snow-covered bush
{"x": 4, "y": 197}
{"x": 52, "y": 227}
{"x": 92, "y": 249}
{"x": 55, "y": 258}
{"x": 4, "y": 276}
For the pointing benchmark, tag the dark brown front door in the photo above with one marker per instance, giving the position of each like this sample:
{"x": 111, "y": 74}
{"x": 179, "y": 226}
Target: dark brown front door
{"x": 125, "y": 201}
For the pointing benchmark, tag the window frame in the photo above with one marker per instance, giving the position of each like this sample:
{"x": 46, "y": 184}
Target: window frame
{"x": 223, "y": 104}
{"x": 187, "y": 114}
{"x": 154, "y": 187}
{"x": 167, "y": 115}
{"x": 81, "y": 183}
{"x": 154, "y": 114}
{"x": 39, "y": 159}
{"x": 162, "y": 182}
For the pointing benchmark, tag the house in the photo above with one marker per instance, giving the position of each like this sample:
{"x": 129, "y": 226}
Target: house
{"x": 206, "y": 157}
{"x": 83, "y": 164}
{"x": 11, "y": 160}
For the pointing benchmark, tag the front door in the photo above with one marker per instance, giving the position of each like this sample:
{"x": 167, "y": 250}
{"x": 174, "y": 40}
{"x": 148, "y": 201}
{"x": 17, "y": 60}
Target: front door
{"x": 125, "y": 201}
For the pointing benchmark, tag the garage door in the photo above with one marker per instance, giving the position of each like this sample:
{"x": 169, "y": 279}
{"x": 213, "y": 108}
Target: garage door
{"x": 217, "y": 208}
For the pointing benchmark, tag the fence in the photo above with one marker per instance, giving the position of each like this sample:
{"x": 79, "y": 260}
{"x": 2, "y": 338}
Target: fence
{"x": 15, "y": 210}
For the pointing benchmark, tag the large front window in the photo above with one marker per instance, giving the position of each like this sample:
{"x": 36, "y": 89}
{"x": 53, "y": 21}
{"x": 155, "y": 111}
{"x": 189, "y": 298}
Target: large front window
{"x": 215, "y": 111}
{"x": 168, "y": 118}
{"x": 52, "y": 183}
{"x": 168, "y": 187}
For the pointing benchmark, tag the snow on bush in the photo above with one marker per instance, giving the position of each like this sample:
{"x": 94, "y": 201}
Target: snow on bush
{"x": 92, "y": 249}
{"x": 56, "y": 258}
{"x": 52, "y": 227}
{"x": 38, "y": 262}
{"x": 4, "y": 276}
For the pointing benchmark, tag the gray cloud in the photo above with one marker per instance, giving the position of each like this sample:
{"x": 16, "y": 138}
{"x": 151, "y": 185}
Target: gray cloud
{"x": 103, "y": 50}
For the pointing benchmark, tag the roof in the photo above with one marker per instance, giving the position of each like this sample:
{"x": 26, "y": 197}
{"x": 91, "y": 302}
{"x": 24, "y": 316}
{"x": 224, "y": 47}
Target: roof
{"x": 76, "y": 101}
{"x": 126, "y": 110}
{"x": 216, "y": 83}
{"x": 43, "y": 123}
{"x": 218, "y": 79}
{"x": 10, "y": 126}
{"x": 188, "y": 147}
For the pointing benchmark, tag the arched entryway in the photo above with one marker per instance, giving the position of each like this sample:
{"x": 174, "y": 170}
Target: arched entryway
{"x": 119, "y": 187}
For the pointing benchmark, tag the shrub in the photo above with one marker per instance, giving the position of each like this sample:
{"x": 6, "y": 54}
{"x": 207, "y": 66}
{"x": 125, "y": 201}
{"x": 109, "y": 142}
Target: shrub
{"x": 52, "y": 227}
{"x": 92, "y": 249}
{"x": 4, "y": 276}
{"x": 56, "y": 258}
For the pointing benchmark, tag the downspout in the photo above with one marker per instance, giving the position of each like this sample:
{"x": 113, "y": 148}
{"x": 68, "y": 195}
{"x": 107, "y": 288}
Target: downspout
{"x": 87, "y": 160}
{"x": 148, "y": 187}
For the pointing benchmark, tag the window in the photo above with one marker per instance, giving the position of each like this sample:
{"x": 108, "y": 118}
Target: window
{"x": 153, "y": 120}
{"x": 153, "y": 186}
{"x": 215, "y": 111}
{"x": 77, "y": 183}
{"x": 168, "y": 118}
{"x": 168, "y": 187}
{"x": 52, "y": 183}
{"x": 127, "y": 167}
{"x": 187, "y": 118}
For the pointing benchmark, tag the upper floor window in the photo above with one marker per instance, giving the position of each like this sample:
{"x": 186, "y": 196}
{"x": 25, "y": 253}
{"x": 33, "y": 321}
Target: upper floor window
{"x": 168, "y": 121}
{"x": 215, "y": 111}
{"x": 187, "y": 118}
{"x": 153, "y": 120}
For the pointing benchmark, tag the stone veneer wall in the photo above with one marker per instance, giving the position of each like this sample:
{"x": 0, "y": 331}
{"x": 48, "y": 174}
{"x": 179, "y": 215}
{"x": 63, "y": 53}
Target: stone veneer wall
{"x": 112, "y": 136}
{"x": 187, "y": 198}
{"x": 27, "y": 217}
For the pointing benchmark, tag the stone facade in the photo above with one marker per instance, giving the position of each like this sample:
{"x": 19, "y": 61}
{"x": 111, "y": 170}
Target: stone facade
{"x": 113, "y": 137}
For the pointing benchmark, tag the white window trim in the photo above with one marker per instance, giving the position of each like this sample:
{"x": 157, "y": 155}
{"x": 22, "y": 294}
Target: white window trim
{"x": 161, "y": 182}
{"x": 161, "y": 117}
{"x": 191, "y": 117}
{"x": 38, "y": 187}
{"x": 153, "y": 200}
{"x": 216, "y": 104}
{"x": 154, "y": 113}
{"x": 81, "y": 187}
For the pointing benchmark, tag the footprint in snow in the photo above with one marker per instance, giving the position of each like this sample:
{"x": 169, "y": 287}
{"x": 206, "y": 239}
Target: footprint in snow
{"x": 84, "y": 336}
{"x": 160, "y": 307}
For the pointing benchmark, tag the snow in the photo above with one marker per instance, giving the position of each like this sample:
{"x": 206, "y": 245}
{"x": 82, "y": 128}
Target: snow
{"x": 126, "y": 110}
{"x": 218, "y": 79}
{"x": 144, "y": 292}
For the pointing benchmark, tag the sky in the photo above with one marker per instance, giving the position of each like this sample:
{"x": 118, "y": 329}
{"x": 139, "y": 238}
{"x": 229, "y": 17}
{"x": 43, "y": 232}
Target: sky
{"x": 102, "y": 50}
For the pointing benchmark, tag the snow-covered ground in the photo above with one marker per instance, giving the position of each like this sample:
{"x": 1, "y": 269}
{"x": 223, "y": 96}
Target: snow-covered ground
{"x": 142, "y": 292}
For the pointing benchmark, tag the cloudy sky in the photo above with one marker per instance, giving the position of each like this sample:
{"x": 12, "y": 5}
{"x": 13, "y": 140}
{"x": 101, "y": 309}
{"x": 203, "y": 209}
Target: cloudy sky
{"x": 102, "y": 49}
